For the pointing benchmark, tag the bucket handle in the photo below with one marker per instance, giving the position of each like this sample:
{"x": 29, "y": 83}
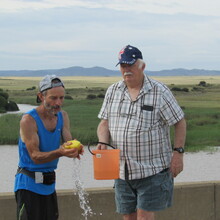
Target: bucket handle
{"x": 99, "y": 143}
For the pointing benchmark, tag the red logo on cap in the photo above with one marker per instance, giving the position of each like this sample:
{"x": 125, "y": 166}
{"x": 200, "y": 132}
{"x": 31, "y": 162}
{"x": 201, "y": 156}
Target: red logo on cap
{"x": 121, "y": 52}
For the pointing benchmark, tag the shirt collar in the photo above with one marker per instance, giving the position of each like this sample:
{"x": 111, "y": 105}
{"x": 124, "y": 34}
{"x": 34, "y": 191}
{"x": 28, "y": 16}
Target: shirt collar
{"x": 147, "y": 85}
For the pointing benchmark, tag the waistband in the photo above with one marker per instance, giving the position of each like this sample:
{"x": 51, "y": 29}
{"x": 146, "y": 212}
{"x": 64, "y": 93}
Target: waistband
{"x": 47, "y": 178}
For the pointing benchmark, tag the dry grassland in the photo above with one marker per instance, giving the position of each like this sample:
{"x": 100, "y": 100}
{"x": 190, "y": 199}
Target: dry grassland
{"x": 22, "y": 83}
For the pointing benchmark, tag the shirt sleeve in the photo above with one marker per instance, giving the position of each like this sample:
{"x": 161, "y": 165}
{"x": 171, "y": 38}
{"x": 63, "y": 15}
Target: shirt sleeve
{"x": 103, "y": 114}
{"x": 170, "y": 110}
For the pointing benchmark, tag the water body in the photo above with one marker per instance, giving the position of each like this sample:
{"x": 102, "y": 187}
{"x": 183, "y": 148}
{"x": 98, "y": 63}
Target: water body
{"x": 201, "y": 166}
{"x": 22, "y": 108}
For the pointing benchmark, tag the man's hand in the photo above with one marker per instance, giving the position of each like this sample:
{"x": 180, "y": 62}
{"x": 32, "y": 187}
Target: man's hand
{"x": 73, "y": 152}
{"x": 101, "y": 146}
{"x": 176, "y": 163}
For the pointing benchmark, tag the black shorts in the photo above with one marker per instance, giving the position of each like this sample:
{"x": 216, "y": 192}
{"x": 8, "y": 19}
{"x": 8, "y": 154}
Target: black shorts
{"x": 33, "y": 206}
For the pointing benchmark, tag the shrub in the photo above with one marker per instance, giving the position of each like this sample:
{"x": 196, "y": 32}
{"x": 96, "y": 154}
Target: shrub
{"x": 91, "y": 96}
{"x": 180, "y": 89}
{"x": 32, "y": 88}
{"x": 11, "y": 106}
{"x": 202, "y": 83}
{"x": 197, "y": 89}
{"x": 176, "y": 89}
{"x": 216, "y": 116}
{"x": 185, "y": 89}
{"x": 69, "y": 97}
{"x": 3, "y": 102}
{"x": 4, "y": 94}
{"x": 2, "y": 110}
{"x": 101, "y": 96}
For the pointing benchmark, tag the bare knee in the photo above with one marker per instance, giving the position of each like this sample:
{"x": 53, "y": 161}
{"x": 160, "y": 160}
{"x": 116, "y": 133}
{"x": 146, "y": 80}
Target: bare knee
{"x": 132, "y": 216}
{"x": 140, "y": 215}
{"x": 145, "y": 215}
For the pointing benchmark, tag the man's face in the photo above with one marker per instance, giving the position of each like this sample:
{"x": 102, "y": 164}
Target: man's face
{"x": 132, "y": 73}
{"x": 53, "y": 99}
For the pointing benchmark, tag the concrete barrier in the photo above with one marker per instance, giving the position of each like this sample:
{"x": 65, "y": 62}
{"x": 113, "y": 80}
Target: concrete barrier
{"x": 192, "y": 201}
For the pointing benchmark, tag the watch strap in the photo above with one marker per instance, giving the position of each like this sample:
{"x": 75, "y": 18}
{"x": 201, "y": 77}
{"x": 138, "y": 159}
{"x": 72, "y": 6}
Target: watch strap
{"x": 179, "y": 149}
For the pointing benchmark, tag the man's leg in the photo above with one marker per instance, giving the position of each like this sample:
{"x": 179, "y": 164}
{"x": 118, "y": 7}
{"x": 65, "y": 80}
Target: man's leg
{"x": 132, "y": 216}
{"x": 21, "y": 205}
{"x": 139, "y": 215}
{"x": 32, "y": 206}
{"x": 144, "y": 215}
{"x": 126, "y": 200}
{"x": 51, "y": 207}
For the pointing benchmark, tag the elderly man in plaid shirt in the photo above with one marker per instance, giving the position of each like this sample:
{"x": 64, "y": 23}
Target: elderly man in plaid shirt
{"x": 136, "y": 116}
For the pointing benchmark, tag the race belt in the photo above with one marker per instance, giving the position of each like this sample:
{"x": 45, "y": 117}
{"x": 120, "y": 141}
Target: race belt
{"x": 39, "y": 177}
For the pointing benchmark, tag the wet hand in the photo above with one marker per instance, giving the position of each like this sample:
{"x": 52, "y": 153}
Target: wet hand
{"x": 71, "y": 153}
{"x": 72, "y": 149}
{"x": 80, "y": 151}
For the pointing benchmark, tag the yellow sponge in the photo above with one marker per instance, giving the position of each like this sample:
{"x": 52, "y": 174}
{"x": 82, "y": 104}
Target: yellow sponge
{"x": 74, "y": 144}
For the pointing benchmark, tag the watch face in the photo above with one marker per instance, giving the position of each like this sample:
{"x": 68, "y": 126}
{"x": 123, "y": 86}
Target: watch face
{"x": 180, "y": 150}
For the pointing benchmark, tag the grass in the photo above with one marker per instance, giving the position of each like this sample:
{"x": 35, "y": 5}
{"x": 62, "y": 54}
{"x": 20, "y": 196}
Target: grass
{"x": 201, "y": 107}
{"x": 202, "y": 113}
{"x": 21, "y": 83}
{"x": 84, "y": 121}
{"x": 84, "y": 82}
{"x": 9, "y": 128}
{"x": 82, "y": 114}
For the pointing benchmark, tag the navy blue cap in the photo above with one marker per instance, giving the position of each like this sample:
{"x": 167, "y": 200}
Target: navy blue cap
{"x": 129, "y": 55}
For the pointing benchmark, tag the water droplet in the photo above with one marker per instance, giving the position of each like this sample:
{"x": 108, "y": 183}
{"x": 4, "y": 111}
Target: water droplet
{"x": 80, "y": 191}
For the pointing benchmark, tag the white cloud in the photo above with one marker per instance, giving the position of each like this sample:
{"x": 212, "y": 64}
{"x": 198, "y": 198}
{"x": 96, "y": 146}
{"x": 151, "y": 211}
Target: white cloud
{"x": 60, "y": 33}
{"x": 198, "y": 7}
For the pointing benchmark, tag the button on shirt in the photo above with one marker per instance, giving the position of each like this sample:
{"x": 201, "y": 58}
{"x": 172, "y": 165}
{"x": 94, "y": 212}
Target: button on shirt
{"x": 141, "y": 128}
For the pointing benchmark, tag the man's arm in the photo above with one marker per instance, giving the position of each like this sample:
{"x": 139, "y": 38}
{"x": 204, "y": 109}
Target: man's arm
{"x": 103, "y": 134}
{"x": 66, "y": 134}
{"x": 29, "y": 135}
{"x": 179, "y": 141}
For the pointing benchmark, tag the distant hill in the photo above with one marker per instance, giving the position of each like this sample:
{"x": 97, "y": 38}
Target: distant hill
{"x": 100, "y": 71}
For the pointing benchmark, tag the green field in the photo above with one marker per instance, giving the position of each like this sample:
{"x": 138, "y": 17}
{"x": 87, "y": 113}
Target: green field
{"x": 201, "y": 105}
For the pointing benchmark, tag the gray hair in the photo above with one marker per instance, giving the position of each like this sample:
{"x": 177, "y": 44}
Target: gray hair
{"x": 140, "y": 63}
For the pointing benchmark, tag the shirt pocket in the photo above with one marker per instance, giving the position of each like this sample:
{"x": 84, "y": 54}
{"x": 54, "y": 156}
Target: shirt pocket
{"x": 148, "y": 119}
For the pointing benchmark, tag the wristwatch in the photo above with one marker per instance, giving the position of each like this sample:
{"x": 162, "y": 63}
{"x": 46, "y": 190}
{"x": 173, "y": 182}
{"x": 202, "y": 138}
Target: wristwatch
{"x": 179, "y": 149}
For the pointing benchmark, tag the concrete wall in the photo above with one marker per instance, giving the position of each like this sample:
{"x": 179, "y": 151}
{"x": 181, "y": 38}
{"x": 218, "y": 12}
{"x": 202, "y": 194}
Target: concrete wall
{"x": 192, "y": 201}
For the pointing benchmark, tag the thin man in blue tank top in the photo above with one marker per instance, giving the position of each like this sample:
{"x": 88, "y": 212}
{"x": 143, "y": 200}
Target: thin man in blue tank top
{"x": 44, "y": 133}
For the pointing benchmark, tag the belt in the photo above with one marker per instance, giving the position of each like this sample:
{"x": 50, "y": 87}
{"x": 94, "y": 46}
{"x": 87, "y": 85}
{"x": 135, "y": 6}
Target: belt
{"x": 39, "y": 177}
{"x": 165, "y": 170}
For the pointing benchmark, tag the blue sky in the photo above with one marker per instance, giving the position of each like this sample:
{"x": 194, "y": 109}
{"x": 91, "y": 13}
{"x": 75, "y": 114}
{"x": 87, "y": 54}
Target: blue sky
{"x": 50, "y": 34}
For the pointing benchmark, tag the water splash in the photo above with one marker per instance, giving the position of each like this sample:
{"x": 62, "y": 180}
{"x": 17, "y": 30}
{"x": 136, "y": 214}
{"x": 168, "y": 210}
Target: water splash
{"x": 80, "y": 191}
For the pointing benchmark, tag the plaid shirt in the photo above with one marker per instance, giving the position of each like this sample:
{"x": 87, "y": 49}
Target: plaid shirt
{"x": 141, "y": 128}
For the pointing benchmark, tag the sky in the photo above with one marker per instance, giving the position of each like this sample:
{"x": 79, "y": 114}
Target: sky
{"x": 54, "y": 34}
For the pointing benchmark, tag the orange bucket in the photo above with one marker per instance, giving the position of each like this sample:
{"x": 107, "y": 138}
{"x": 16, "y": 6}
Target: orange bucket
{"x": 106, "y": 163}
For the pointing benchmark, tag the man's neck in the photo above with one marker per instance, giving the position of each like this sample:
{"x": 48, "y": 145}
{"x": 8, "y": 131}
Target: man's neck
{"x": 135, "y": 85}
{"x": 45, "y": 114}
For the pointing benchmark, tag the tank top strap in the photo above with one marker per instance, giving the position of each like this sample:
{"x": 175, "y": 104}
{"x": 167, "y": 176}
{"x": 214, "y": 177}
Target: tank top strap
{"x": 39, "y": 122}
{"x": 59, "y": 121}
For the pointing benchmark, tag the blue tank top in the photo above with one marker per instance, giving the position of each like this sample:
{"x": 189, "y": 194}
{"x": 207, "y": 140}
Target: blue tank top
{"x": 48, "y": 141}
